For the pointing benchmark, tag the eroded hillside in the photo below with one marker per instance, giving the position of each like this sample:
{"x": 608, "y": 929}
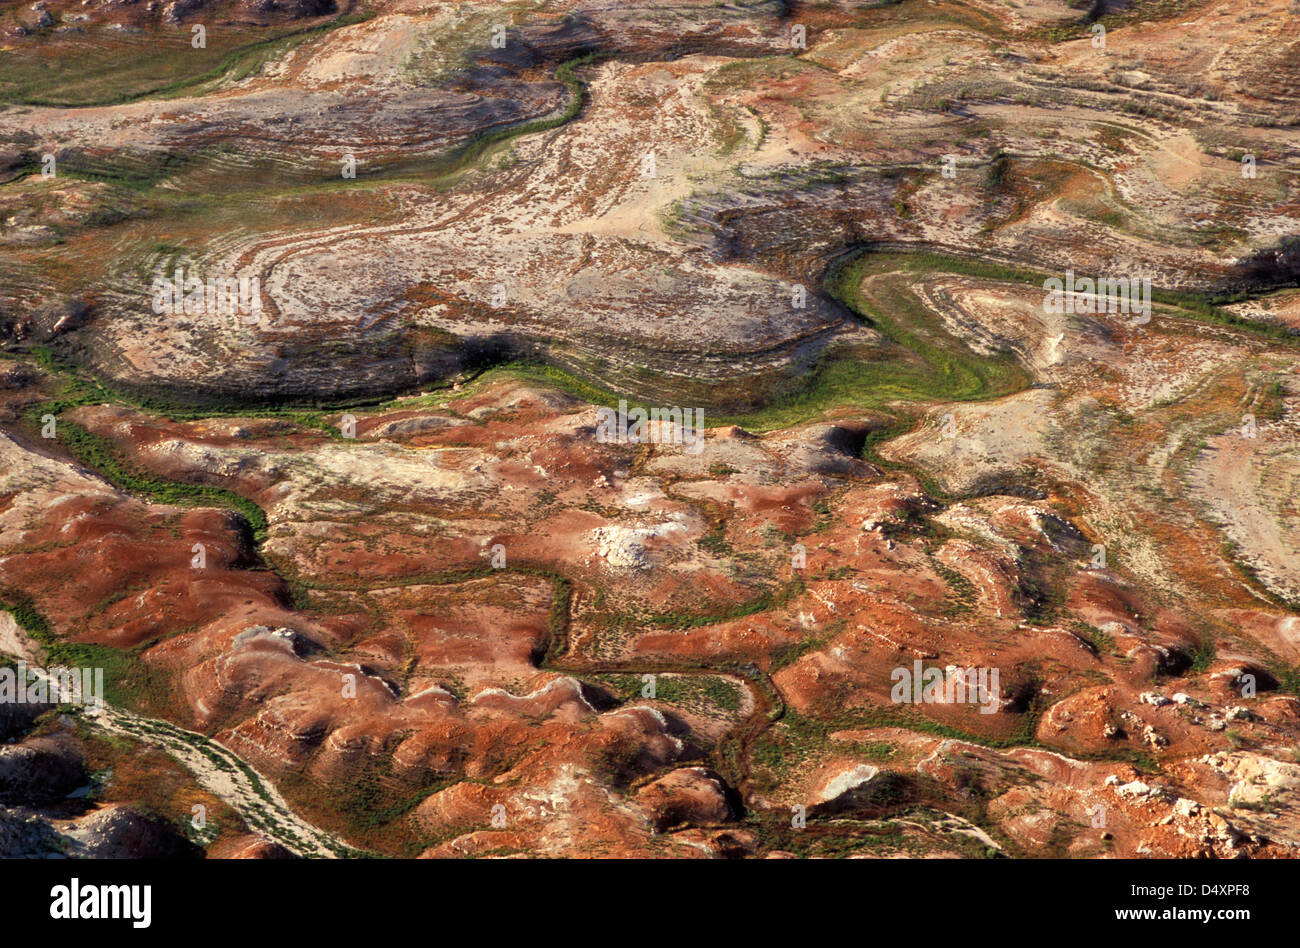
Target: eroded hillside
{"x": 362, "y": 566}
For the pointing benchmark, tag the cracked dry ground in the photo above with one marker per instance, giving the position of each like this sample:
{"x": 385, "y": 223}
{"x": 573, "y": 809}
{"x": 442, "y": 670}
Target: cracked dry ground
{"x": 473, "y": 628}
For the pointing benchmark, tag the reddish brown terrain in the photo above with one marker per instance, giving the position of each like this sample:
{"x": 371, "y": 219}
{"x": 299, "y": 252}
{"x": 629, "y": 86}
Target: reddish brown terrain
{"x": 364, "y": 574}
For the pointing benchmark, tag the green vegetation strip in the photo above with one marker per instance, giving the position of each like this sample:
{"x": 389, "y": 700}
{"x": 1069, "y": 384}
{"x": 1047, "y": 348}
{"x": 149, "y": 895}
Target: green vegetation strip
{"x": 133, "y": 67}
{"x": 921, "y": 362}
{"x": 102, "y": 455}
{"x": 473, "y": 150}
{"x": 1203, "y": 306}
{"x": 128, "y": 682}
